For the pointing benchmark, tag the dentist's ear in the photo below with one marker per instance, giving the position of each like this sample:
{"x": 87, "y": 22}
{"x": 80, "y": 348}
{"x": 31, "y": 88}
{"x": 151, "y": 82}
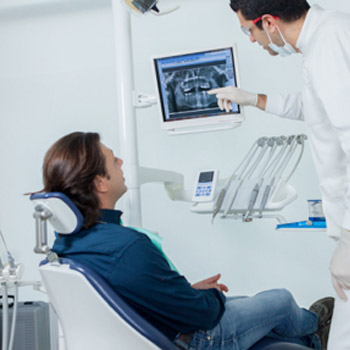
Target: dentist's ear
{"x": 101, "y": 184}
{"x": 269, "y": 23}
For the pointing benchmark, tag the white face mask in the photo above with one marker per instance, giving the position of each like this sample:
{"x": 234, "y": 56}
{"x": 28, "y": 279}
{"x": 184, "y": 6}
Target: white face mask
{"x": 285, "y": 50}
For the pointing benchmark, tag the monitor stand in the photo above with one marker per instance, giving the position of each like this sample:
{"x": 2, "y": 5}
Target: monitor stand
{"x": 204, "y": 128}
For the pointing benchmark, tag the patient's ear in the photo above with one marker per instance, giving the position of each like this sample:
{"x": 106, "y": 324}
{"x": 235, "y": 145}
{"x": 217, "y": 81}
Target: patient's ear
{"x": 101, "y": 184}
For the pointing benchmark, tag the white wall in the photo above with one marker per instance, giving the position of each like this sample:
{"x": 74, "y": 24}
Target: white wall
{"x": 57, "y": 76}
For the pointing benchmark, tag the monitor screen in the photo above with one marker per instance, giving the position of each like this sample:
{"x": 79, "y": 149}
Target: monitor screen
{"x": 183, "y": 81}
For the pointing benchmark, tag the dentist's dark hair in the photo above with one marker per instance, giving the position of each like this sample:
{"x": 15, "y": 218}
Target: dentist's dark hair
{"x": 286, "y": 10}
{"x": 71, "y": 166}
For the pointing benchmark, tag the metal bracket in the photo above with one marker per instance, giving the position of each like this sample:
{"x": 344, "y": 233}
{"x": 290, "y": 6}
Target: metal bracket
{"x": 143, "y": 100}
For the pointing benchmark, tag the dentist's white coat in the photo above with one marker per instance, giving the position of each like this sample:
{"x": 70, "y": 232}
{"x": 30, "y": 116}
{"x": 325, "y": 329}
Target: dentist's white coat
{"x": 324, "y": 104}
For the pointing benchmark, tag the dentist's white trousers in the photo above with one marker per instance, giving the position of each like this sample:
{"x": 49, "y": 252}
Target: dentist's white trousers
{"x": 339, "y": 338}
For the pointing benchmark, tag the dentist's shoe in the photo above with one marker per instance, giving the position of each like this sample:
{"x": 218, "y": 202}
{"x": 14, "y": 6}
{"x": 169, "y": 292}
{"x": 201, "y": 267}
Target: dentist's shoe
{"x": 324, "y": 309}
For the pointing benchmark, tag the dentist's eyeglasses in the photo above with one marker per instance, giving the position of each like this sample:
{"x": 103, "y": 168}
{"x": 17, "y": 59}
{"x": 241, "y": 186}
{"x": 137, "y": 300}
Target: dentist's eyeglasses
{"x": 247, "y": 30}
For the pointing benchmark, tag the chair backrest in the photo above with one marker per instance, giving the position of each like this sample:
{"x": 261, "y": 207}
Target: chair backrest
{"x": 91, "y": 313}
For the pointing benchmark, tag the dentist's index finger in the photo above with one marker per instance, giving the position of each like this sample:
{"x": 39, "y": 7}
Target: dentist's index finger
{"x": 214, "y": 91}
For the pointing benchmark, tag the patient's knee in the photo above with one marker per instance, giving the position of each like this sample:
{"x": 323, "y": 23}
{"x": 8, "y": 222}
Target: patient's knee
{"x": 284, "y": 297}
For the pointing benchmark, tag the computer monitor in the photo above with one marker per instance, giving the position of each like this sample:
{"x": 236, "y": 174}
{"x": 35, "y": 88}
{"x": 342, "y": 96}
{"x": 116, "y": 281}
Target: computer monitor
{"x": 182, "y": 82}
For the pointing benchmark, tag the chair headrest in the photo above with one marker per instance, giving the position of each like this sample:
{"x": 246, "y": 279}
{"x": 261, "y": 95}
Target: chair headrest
{"x": 65, "y": 217}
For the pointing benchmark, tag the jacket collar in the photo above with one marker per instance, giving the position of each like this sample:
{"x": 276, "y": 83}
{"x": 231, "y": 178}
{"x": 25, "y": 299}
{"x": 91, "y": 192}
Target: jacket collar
{"x": 310, "y": 26}
{"x": 110, "y": 216}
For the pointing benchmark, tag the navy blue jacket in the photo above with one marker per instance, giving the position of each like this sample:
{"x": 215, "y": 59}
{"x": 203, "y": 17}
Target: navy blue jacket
{"x": 137, "y": 271}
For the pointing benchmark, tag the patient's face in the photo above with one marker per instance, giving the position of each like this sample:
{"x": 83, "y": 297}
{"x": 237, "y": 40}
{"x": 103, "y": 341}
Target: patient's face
{"x": 115, "y": 180}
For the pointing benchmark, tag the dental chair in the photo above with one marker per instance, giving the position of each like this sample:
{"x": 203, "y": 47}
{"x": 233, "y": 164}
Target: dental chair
{"x": 91, "y": 313}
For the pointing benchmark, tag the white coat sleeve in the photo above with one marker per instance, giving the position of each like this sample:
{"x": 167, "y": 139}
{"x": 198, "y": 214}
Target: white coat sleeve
{"x": 331, "y": 81}
{"x": 285, "y": 106}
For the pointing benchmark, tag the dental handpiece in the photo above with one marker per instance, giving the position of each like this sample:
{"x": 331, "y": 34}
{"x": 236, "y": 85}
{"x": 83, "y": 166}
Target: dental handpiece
{"x": 272, "y": 142}
{"x": 252, "y": 201}
{"x": 301, "y": 141}
{"x": 245, "y": 162}
{"x": 267, "y": 191}
{"x": 218, "y": 203}
{"x": 292, "y": 146}
{"x": 262, "y": 143}
{"x": 280, "y": 141}
{"x": 264, "y": 199}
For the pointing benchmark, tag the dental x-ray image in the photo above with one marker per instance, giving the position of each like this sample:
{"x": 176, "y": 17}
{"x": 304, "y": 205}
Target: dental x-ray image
{"x": 186, "y": 88}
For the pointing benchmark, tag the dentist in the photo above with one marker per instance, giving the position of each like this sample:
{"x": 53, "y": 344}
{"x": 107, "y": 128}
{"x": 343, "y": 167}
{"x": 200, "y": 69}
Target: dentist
{"x": 285, "y": 27}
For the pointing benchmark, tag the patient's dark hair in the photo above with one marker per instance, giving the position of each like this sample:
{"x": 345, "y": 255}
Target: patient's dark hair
{"x": 70, "y": 166}
{"x": 286, "y": 10}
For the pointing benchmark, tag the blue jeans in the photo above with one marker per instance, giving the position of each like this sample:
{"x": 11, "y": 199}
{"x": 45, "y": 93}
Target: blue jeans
{"x": 246, "y": 320}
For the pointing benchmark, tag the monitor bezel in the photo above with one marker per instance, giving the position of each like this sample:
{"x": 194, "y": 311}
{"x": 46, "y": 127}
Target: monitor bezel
{"x": 225, "y": 118}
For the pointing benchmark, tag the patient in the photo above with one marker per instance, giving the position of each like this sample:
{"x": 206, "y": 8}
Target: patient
{"x": 196, "y": 316}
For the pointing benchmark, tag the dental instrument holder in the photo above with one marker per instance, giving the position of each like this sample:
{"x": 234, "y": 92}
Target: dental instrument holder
{"x": 281, "y": 196}
{"x": 257, "y": 188}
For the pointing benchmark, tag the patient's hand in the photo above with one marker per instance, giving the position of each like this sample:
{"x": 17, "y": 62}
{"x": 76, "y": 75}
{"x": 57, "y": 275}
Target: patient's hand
{"x": 211, "y": 282}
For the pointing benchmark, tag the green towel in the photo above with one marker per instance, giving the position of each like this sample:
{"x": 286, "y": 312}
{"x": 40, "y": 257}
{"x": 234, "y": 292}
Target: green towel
{"x": 157, "y": 241}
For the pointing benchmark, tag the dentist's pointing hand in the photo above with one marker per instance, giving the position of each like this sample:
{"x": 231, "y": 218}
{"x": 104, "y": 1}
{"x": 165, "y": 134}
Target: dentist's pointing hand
{"x": 230, "y": 94}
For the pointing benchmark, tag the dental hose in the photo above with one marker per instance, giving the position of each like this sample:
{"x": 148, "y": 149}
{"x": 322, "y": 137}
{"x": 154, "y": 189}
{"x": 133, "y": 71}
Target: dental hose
{"x": 300, "y": 140}
{"x": 14, "y": 318}
{"x": 262, "y": 143}
{"x": 5, "y": 316}
{"x": 246, "y": 160}
{"x": 255, "y": 192}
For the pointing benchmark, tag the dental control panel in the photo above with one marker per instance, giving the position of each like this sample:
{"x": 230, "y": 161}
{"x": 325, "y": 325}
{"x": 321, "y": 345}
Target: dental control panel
{"x": 205, "y": 185}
